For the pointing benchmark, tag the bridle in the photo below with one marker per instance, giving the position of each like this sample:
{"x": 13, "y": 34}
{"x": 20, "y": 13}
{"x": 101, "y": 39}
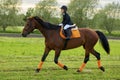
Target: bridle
{"x": 29, "y": 26}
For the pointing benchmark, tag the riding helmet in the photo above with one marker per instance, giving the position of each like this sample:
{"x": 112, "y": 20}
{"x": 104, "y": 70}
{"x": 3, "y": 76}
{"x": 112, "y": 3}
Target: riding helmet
{"x": 64, "y": 7}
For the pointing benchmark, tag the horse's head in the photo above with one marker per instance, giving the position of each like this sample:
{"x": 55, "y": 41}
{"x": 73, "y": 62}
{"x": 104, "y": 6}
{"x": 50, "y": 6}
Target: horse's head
{"x": 29, "y": 26}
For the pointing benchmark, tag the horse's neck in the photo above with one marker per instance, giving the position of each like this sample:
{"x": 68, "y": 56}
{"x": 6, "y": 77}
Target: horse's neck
{"x": 43, "y": 31}
{"x": 48, "y": 33}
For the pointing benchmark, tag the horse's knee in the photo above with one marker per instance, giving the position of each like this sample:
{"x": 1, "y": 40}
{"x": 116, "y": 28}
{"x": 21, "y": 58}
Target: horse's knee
{"x": 86, "y": 59}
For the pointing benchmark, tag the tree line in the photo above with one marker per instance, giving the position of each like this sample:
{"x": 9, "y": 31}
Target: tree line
{"x": 84, "y": 13}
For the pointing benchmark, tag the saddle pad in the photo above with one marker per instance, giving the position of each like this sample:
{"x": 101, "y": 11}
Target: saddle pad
{"x": 75, "y": 33}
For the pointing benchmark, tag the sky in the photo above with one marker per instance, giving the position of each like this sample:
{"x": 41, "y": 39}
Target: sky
{"x": 31, "y": 3}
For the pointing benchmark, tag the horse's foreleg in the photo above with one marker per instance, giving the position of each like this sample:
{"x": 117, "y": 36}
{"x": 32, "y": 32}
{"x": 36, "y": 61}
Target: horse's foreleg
{"x": 47, "y": 50}
{"x": 86, "y": 59}
{"x": 57, "y": 54}
{"x": 97, "y": 55}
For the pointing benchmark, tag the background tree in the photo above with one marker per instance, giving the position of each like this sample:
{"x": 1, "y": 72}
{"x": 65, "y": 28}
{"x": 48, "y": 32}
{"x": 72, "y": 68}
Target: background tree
{"x": 82, "y": 11}
{"x": 29, "y": 13}
{"x": 46, "y": 9}
{"x": 108, "y": 17}
{"x": 9, "y": 12}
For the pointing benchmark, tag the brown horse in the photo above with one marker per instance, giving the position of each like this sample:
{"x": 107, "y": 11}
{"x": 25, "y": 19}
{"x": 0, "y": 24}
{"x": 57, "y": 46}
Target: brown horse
{"x": 53, "y": 41}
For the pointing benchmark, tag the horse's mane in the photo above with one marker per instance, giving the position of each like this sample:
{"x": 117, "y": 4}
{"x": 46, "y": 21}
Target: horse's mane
{"x": 46, "y": 25}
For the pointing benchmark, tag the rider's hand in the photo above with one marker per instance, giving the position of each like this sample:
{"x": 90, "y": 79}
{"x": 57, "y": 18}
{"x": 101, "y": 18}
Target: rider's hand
{"x": 60, "y": 24}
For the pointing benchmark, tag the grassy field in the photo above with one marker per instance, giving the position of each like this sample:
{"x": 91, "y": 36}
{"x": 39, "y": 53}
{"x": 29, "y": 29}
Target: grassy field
{"x": 19, "y": 58}
{"x": 15, "y": 29}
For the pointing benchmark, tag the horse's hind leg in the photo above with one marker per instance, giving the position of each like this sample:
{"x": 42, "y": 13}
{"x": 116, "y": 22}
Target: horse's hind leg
{"x": 86, "y": 59}
{"x": 97, "y": 55}
{"x": 57, "y": 54}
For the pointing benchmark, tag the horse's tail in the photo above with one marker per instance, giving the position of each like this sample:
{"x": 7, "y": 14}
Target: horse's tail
{"x": 104, "y": 41}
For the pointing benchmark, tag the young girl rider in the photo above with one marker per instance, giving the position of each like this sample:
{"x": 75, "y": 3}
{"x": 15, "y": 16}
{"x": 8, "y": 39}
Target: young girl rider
{"x": 66, "y": 22}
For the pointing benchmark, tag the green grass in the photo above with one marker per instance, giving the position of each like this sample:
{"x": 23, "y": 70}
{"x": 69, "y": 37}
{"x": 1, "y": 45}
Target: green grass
{"x": 115, "y": 33}
{"x": 19, "y": 58}
{"x": 15, "y": 29}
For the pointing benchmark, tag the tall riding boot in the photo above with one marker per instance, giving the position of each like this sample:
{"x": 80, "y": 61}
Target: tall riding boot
{"x": 68, "y": 34}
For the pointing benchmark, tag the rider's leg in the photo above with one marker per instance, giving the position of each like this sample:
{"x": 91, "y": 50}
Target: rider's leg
{"x": 67, "y": 32}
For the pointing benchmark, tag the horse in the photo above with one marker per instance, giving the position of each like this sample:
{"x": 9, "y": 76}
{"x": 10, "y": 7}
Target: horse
{"x": 53, "y": 41}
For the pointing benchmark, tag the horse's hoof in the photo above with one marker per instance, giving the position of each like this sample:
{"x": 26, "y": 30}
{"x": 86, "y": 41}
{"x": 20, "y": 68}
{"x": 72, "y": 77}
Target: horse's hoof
{"x": 65, "y": 67}
{"x": 78, "y": 70}
{"x": 37, "y": 70}
{"x": 102, "y": 68}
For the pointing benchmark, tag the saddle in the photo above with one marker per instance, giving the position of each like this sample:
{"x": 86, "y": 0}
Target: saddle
{"x": 74, "y": 31}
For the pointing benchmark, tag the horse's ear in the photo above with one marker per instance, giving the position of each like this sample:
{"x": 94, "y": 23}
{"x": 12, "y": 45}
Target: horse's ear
{"x": 36, "y": 17}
